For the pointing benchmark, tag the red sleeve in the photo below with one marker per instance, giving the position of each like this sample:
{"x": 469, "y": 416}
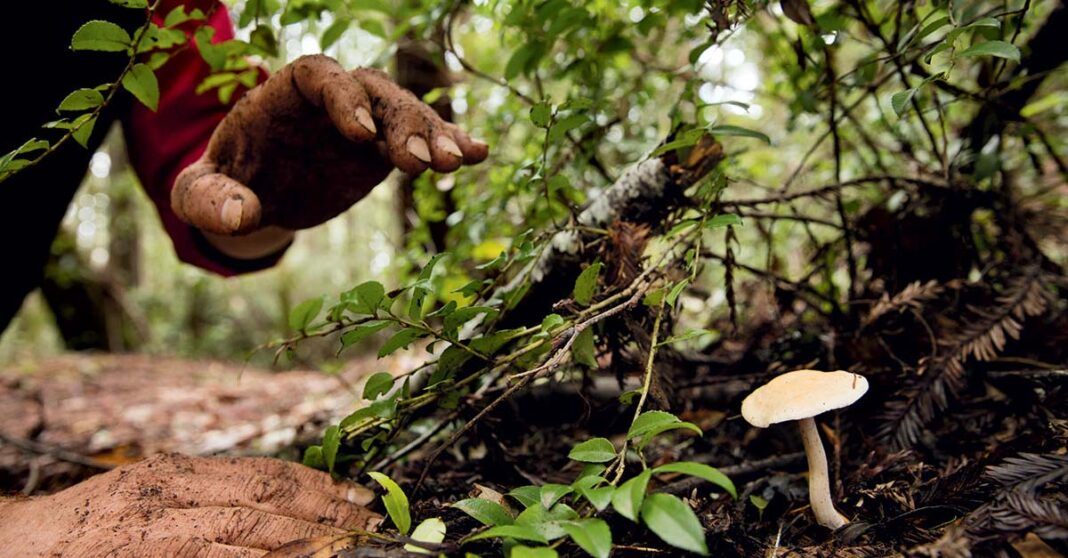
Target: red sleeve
{"x": 164, "y": 142}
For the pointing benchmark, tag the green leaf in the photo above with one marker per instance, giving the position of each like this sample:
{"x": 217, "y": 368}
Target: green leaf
{"x": 987, "y": 22}
{"x": 486, "y": 512}
{"x": 594, "y": 450}
{"x": 402, "y": 338}
{"x": 551, "y": 322}
{"x": 331, "y": 443}
{"x": 396, "y": 502}
{"x": 723, "y": 220}
{"x": 130, "y": 3}
{"x": 653, "y": 298}
{"x": 932, "y": 27}
{"x": 1054, "y": 99}
{"x": 520, "y": 59}
{"x": 81, "y": 99}
{"x": 520, "y": 551}
{"x": 377, "y": 384}
{"x": 302, "y": 315}
{"x": 586, "y": 284}
{"x": 526, "y": 495}
{"x": 313, "y": 457}
{"x": 591, "y": 535}
{"x": 653, "y": 423}
{"x": 262, "y": 39}
{"x": 759, "y": 503}
{"x": 650, "y": 421}
{"x": 701, "y": 471}
{"x": 368, "y": 296}
{"x": 902, "y": 100}
{"x": 431, "y": 530}
{"x": 361, "y": 332}
{"x": 547, "y": 522}
{"x": 627, "y": 498}
{"x": 82, "y": 129}
{"x": 460, "y": 317}
{"x": 565, "y": 125}
{"x": 673, "y": 294}
{"x": 178, "y": 16}
{"x": 520, "y": 532}
{"x": 333, "y": 33}
{"x": 551, "y": 493}
{"x": 1000, "y": 49}
{"x": 729, "y": 130}
{"x": 100, "y": 36}
{"x": 541, "y": 114}
{"x": 583, "y": 350}
{"x": 684, "y": 139}
{"x": 599, "y": 496}
{"x": 669, "y": 518}
{"x": 428, "y": 270}
{"x": 141, "y": 82}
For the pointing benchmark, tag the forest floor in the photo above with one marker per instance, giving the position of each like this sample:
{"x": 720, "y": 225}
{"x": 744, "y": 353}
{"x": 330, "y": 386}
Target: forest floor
{"x": 63, "y": 419}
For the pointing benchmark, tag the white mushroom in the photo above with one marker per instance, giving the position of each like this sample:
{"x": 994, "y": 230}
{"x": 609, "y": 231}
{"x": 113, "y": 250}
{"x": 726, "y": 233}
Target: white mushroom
{"x": 801, "y": 395}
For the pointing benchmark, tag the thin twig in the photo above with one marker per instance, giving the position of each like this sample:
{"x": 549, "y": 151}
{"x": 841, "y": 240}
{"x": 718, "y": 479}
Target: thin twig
{"x": 56, "y": 452}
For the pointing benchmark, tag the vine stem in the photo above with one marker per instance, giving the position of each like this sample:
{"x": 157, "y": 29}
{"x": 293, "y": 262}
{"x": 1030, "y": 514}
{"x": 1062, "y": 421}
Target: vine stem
{"x": 646, "y": 383}
{"x": 113, "y": 89}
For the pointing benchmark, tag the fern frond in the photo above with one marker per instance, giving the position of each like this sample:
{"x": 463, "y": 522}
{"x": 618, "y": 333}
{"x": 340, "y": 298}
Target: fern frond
{"x": 1027, "y": 471}
{"x": 912, "y": 296}
{"x": 982, "y": 335}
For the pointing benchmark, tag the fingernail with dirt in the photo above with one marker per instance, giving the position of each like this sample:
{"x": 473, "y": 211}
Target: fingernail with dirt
{"x": 365, "y": 120}
{"x": 232, "y": 211}
{"x": 449, "y": 146}
{"x": 418, "y": 148}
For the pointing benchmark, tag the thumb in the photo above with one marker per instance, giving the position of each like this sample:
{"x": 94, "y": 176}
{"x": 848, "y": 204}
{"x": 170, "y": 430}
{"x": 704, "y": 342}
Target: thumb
{"x": 214, "y": 202}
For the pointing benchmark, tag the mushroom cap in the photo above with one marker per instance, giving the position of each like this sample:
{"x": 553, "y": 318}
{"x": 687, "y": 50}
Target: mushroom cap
{"x": 802, "y": 394}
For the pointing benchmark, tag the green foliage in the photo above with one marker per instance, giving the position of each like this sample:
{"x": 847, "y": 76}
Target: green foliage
{"x": 80, "y": 99}
{"x": 101, "y": 36}
{"x": 431, "y": 531}
{"x": 586, "y": 284}
{"x": 651, "y": 423}
{"x": 485, "y": 511}
{"x": 518, "y": 532}
{"x": 674, "y": 522}
{"x": 141, "y": 82}
{"x": 759, "y": 503}
{"x": 591, "y": 535}
{"x": 702, "y": 471}
{"x": 305, "y": 313}
{"x": 594, "y": 450}
{"x": 377, "y": 384}
{"x": 331, "y": 443}
{"x": 627, "y": 499}
{"x": 396, "y": 502}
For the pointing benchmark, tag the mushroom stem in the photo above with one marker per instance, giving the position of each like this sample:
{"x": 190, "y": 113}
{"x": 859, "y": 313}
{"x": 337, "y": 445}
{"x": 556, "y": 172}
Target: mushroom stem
{"x": 819, "y": 485}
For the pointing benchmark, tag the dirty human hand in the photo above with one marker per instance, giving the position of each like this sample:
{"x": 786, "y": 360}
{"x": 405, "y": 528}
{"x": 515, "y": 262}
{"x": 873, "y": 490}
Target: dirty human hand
{"x": 186, "y": 507}
{"x": 307, "y": 144}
